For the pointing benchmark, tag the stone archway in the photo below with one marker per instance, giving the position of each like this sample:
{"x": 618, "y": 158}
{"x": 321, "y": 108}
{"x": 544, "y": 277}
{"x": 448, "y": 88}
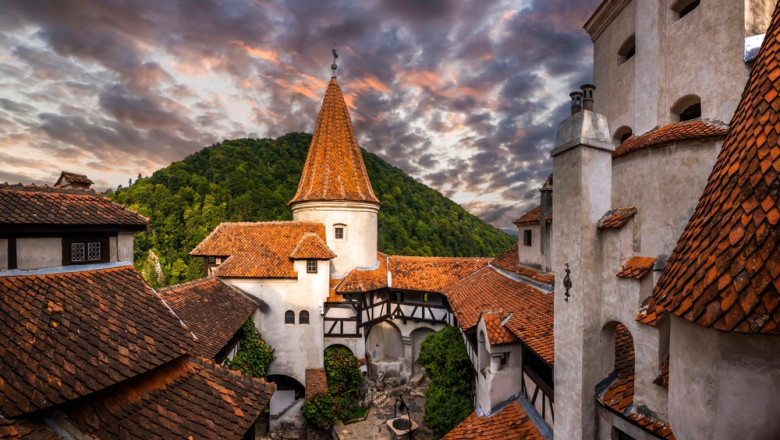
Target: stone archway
{"x": 385, "y": 350}
{"x": 285, "y": 405}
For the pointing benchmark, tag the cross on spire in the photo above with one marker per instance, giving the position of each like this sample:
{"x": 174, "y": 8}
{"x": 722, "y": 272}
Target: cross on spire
{"x": 334, "y": 66}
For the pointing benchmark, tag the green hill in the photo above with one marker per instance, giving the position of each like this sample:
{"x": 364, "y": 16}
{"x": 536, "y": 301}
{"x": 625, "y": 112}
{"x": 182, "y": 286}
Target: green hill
{"x": 253, "y": 179}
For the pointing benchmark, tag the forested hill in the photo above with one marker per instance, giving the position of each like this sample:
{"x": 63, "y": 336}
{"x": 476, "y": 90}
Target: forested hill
{"x": 253, "y": 179}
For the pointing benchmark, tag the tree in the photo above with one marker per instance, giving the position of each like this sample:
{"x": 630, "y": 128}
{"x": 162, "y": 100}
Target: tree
{"x": 448, "y": 399}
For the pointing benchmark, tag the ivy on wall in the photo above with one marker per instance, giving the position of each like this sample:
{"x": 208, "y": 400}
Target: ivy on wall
{"x": 254, "y": 355}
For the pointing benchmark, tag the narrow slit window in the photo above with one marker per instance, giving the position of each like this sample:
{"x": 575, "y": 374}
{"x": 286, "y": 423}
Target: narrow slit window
{"x": 684, "y": 7}
{"x": 627, "y": 50}
{"x": 527, "y": 240}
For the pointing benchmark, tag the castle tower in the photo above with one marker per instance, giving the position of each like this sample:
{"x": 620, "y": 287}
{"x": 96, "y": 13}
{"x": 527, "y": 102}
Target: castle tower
{"x": 335, "y": 189}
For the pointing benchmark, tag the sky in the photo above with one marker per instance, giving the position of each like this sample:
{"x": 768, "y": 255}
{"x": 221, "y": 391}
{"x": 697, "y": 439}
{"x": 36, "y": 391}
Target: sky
{"x": 465, "y": 96}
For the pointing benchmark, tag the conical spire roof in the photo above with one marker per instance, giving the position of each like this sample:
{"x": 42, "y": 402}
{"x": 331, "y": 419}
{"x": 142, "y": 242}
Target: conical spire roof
{"x": 724, "y": 272}
{"x": 334, "y": 168}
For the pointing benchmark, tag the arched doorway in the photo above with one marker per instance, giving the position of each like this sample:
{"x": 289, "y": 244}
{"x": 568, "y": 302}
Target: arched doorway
{"x": 417, "y": 336}
{"x": 384, "y": 342}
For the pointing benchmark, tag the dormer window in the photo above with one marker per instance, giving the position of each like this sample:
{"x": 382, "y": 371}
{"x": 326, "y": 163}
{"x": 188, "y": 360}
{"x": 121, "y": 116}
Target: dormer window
{"x": 311, "y": 266}
{"x": 84, "y": 250}
{"x": 684, "y": 7}
{"x": 627, "y": 50}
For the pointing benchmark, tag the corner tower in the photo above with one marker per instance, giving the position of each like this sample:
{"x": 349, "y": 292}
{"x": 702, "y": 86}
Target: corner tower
{"x": 335, "y": 190}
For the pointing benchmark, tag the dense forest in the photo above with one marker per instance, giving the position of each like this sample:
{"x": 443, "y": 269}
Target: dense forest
{"x": 253, "y": 179}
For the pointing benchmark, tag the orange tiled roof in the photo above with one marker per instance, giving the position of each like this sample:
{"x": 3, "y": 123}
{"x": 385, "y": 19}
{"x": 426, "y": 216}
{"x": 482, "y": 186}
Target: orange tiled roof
{"x": 67, "y": 335}
{"x": 670, "y": 133}
{"x": 213, "y": 310}
{"x": 188, "y": 398}
{"x": 334, "y": 168}
{"x": 311, "y": 247}
{"x": 257, "y": 250}
{"x": 359, "y": 281}
{"x": 510, "y": 423}
{"x": 332, "y": 295}
{"x": 11, "y": 429}
{"x": 497, "y": 333}
{"x": 426, "y": 274}
{"x": 73, "y": 178}
{"x": 488, "y": 290}
{"x": 724, "y": 272}
{"x": 509, "y": 261}
{"x": 616, "y": 218}
{"x": 531, "y": 217}
{"x": 43, "y": 205}
{"x": 637, "y": 267}
{"x": 650, "y": 313}
{"x": 663, "y": 376}
{"x": 618, "y": 396}
{"x": 316, "y": 382}
{"x": 430, "y": 274}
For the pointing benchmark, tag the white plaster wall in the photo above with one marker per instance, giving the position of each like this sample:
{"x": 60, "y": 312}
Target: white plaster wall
{"x": 723, "y": 385}
{"x": 664, "y": 184}
{"x": 38, "y": 253}
{"x": 496, "y": 385}
{"x": 125, "y": 246}
{"x": 582, "y": 195}
{"x": 3, "y": 254}
{"x": 298, "y": 346}
{"x": 358, "y": 247}
{"x": 384, "y": 343}
{"x": 607, "y": 419}
{"x": 530, "y": 255}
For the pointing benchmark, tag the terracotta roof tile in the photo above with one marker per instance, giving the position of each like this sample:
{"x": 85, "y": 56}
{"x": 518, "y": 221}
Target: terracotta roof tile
{"x": 11, "y": 429}
{"x": 187, "y": 398}
{"x": 213, "y": 310}
{"x": 334, "y": 168}
{"x": 618, "y": 395}
{"x": 360, "y": 281}
{"x": 333, "y": 296}
{"x": 34, "y": 205}
{"x": 427, "y": 274}
{"x": 637, "y": 267}
{"x": 509, "y": 261}
{"x": 68, "y": 335}
{"x": 616, "y": 218}
{"x": 316, "y": 382}
{"x": 510, "y": 423}
{"x": 497, "y": 333}
{"x": 311, "y": 247}
{"x": 78, "y": 180}
{"x": 650, "y": 313}
{"x": 257, "y": 250}
{"x": 663, "y": 376}
{"x": 724, "y": 272}
{"x": 430, "y": 274}
{"x": 531, "y": 217}
{"x": 489, "y": 291}
{"x": 670, "y": 133}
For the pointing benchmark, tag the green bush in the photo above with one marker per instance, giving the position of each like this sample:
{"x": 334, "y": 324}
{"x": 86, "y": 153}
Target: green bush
{"x": 254, "y": 354}
{"x": 448, "y": 399}
{"x": 318, "y": 411}
{"x": 344, "y": 384}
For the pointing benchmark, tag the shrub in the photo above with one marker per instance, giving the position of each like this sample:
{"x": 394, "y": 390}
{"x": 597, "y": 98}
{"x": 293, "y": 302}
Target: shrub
{"x": 254, "y": 354}
{"x": 448, "y": 399}
{"x": 318, "y": 411}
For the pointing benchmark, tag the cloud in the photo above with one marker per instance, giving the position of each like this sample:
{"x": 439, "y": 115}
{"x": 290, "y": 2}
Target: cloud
{"x": 463, "y": 95}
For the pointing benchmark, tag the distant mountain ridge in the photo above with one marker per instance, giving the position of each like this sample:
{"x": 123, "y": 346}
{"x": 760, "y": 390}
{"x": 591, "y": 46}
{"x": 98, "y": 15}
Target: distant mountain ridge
{"x": 253, "y": 179}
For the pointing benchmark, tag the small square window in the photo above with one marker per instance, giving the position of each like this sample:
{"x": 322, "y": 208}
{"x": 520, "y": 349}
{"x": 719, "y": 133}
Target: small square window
{"x": 77, "y": 251}
{"x": 93, "y": 251}
{"x": 311, "y": 266}
{"x": 339, "y": 233}
{"x": 527, "y": 237}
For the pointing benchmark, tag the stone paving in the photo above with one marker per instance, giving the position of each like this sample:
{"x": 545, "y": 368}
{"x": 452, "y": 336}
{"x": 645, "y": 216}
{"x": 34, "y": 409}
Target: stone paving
{"x": 375, "y": 425}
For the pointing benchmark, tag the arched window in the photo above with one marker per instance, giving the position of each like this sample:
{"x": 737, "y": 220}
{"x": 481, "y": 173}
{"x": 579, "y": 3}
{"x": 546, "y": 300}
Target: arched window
{"x": 683, "y": 7}
{"x": 289, "y": 317}
{"x": 627, "y": 50}
{"x": 303, "y": 317}
{"x": 686, "y": 108}
{"x": 622, "y": 134}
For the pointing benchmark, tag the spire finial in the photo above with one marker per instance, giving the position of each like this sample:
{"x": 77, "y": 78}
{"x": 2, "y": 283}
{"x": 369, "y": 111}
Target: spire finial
{"x": 334, "y": 66}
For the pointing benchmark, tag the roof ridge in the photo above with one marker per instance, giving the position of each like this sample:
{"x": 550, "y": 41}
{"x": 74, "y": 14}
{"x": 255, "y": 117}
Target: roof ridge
{"x": 187, "y": 283}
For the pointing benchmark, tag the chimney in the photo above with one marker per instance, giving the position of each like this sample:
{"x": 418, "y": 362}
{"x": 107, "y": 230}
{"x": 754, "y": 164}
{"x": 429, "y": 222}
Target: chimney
{"x": 576, "y": 102}
{"x": 587, "y": 96}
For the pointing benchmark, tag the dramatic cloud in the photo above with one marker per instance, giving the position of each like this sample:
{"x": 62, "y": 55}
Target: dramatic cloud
{"x": 463, "y": 95}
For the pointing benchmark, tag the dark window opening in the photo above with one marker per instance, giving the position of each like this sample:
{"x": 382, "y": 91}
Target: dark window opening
{"x": 311, "y": 266}
{"x": 503, "y": 360}
{"x": 622, "y": 134}
{"x": 620, "y": 435}
{"x": 527, "y": 240}
{"x": 212, "y": 260}
{"x": 339, "y": 233}
{"x": 627, "y": 50}
{"x": 289, "y": 317}
{"x": 684, "y": 7}
{"x": 533, "y": 362}
{"x": 303, "y": 317}
{"x": 12, "y": 253}
{"x": 691, "y": 112}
